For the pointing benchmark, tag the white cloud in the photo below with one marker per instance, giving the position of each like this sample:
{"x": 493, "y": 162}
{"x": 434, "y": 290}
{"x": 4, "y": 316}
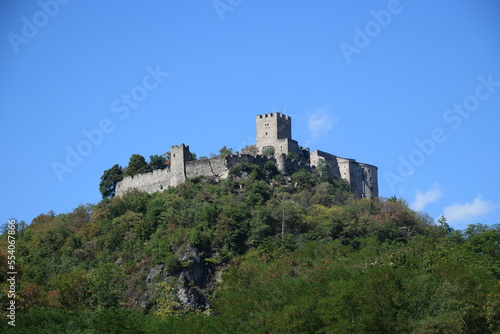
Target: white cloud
{"x": 468, "y": 212}
{"x": 319, "y": 123}
{"x": 422, "y": 199}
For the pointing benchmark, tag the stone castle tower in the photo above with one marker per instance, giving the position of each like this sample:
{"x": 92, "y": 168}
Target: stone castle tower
{"x": 275, "y": 129}
{"x": 179, "y": 155}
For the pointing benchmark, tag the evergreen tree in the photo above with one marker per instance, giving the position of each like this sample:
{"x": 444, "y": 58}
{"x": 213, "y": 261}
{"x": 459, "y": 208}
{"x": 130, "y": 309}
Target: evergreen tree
{"x": 157, "y": 162}
{"x": 109, "y": 180}
{"x": 137, "y": 165}
{"x": 225, "y": 151}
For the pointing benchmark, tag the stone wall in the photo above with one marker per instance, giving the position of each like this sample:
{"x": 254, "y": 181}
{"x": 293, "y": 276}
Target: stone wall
{"x": 362, "y": 178}
{"x": 209, "y": 167}
{"x": 370, "y": 180}
{"x": 271, "y": 129}
{"x": 157, "y": 180}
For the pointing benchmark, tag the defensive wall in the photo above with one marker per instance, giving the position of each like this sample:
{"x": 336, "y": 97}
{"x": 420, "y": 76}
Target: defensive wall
{"x": 161, "y": 179}
{"x": 274, "y": 129}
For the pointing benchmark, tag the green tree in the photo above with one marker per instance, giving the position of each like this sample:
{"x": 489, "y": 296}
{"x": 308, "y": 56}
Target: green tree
{"x": 225, "y": 151}
{"x": 137, "y": 165}
{"x": 293, "y": 156}
{"x": 157, "y": 162}
{"x": 109, "y": 180}
{"x": 268, "y": 151}
{"x": 107, "y": 283}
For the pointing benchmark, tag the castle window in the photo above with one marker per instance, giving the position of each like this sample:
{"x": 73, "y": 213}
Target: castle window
{"x": 266, "y": 133}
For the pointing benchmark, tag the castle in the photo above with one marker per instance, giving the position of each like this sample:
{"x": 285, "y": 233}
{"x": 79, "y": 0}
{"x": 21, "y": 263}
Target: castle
{"x": 274, "y": 133}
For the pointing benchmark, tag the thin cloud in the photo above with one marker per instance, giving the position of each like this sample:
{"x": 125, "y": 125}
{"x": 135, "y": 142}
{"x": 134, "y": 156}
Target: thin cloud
{"x": 422, "y": 199}
{"x": 468, "y": 212}
{"x": 319, "y": 124}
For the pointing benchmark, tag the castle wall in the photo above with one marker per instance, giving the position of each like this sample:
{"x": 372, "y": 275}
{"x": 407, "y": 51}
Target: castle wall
{"x": 370, "y": 180}
{"x": 331, "y": 161}
{"x": 363, "y": 179}
{"x": 209, "y": 167}
{"x": 149, "y": 182}
{"x": 286, "y": 145}
{"x": 356, "y": 179}
{"x": 271, "y": 129}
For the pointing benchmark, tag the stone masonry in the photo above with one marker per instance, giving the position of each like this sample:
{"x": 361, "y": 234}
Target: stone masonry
{"x": 274, "y": 129}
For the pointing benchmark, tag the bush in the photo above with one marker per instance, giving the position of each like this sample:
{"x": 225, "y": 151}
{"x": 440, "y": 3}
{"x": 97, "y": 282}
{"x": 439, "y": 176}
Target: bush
{"x": 269, "y": 151}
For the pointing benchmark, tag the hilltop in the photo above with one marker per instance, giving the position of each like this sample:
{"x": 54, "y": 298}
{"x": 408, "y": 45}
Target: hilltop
{"x": 256, "y": 251}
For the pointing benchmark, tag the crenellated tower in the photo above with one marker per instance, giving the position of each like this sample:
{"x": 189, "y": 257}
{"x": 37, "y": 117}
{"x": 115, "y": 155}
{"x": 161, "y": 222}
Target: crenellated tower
{"x": 275, "y": 129}
{"x": 179, "y": 155}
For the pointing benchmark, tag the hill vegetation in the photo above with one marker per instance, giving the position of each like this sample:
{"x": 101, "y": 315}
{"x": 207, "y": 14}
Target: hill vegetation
{"x": 258, "y": 252}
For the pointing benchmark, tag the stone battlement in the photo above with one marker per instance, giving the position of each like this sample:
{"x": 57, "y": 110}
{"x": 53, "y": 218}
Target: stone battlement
{"x": 275, "y": 114}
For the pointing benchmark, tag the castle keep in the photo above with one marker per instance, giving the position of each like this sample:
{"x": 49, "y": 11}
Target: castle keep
{"x": 274, "y": 129}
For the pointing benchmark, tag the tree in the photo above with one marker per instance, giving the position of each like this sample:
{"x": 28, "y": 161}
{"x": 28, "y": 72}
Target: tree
{"x": 268, "y": 151}
{"x": 107, "y": 283}
{"x": 167, "y": 158}
{"x": 294, "y": 156}
{"x": 225, "y": 151}
{"x": 444, "y": 225}
{"x": 137, "y": 165}
{"x": 109, "y": 180}
{"x": 157, "y": 162}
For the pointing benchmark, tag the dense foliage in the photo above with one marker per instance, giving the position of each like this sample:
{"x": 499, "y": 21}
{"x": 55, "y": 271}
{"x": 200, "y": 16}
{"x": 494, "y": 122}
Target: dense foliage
{"x": 137, "y": 165}
{"x": 298, "y": 254}
{"x": 109, "y": 180}
{"x": 157, "y": 162}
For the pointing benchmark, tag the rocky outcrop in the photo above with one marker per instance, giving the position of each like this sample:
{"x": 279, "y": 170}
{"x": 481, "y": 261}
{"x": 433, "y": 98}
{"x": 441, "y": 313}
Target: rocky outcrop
{"x": 189, "y": 283}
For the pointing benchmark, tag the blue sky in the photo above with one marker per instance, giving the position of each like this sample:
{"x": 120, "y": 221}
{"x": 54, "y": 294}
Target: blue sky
{"x": 412, "y": 87}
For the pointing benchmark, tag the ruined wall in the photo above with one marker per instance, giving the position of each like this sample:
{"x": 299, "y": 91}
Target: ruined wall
{"x": 331, "y": 161}
{"x": 370, "y": 180}
{"x": 159, "y": 180}
{"x": 258, "y": 160}
{"x": 362, "y": 178}
{"x": 271, "y": 129}
{"x": 154, "y": 181}
{"x": 209, "y": 167}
